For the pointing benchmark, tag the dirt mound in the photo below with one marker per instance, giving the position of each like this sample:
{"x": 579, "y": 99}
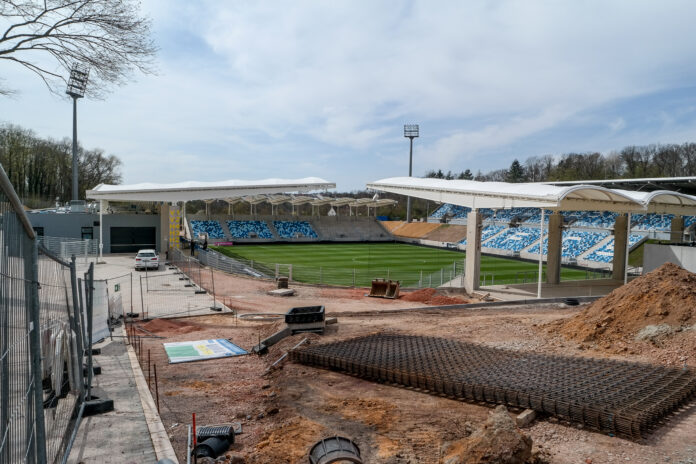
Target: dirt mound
{"x": 497, "y": 441}
{"x": 288, "y": 442}
{"x": 666, "y": 295}
{"x": 169, "y": 326}
{"x": 430, "y": 296}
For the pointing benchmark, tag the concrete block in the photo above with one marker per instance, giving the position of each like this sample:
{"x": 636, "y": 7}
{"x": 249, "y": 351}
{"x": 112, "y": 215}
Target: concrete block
{"x": 525, "y": 418}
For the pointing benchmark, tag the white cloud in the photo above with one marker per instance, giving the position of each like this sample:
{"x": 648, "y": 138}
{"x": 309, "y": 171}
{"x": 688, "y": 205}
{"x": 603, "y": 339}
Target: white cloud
{"x": 244, "y": 85}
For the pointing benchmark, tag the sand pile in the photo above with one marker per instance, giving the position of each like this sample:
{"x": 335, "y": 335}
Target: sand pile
{"x": 431, "y": 297}
{"x": 665, "y": 296}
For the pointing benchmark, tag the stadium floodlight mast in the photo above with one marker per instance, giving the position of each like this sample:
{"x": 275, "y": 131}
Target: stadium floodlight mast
{"x": 411, "y": 132}
{"x": 76, "y": 89}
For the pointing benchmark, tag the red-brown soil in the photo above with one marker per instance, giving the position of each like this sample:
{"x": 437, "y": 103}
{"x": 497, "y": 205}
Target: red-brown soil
{"x": 665, "y": 296}
{"x": 432, "y": 296}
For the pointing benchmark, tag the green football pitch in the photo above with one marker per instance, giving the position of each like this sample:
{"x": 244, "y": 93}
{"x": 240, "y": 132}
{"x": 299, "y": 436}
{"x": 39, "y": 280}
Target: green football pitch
{"x": 358, "y": 264}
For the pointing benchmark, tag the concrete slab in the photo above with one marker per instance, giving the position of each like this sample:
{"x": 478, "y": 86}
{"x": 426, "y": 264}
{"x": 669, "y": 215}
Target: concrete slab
{"x": 525, "y": 418}
{"x": 571, "y": 288}
{"x": 282, "y": 292}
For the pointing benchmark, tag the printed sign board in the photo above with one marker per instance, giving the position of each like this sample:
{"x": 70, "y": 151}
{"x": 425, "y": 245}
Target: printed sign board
{"x": 200, "y": 350}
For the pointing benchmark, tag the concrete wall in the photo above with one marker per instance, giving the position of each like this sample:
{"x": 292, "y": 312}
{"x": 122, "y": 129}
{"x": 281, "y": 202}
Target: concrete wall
{"x": 69, "y": 225}
{"x": 656, "y": 255}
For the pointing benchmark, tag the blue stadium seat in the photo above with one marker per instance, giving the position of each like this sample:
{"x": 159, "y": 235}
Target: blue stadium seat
{"x": 605, "y": 254}
{"x": 486, "y": 233}
{"x": 455, "y": 211}
{"x": 535, "y": 217}
{"x": 651, "y": 221}
{"x": 595, "y": 219}
{"x": 514, "y": 239}
{"x": 246, "y": 229}
{"x": 573, "y": 243}
{"x": 293, "y": 229}
{"x": 212, "y": 228}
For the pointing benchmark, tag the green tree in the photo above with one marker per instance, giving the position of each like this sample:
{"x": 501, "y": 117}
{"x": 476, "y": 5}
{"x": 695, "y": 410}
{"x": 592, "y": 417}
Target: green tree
{"x": 516, "y": 172}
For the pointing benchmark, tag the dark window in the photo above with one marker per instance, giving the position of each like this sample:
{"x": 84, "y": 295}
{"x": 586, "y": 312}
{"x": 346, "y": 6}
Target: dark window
{"x": 95, "y": 223}
{"x": 87, "y": 233}
{"x": 39, "y": 231}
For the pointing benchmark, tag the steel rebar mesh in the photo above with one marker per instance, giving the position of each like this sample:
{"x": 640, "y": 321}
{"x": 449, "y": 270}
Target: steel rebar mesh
{"x": 616, "y": 397}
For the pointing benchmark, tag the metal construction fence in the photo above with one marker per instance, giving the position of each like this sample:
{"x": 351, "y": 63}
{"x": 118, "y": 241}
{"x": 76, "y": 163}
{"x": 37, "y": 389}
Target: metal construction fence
{"x": 66, "y": 247}
{"x": 43, "y": 336}
{"x": 184, "y": 287}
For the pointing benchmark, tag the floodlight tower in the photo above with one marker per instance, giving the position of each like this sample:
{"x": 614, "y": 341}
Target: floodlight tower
{"x": 76, "y": 89}
{"x": 410, "y": 131}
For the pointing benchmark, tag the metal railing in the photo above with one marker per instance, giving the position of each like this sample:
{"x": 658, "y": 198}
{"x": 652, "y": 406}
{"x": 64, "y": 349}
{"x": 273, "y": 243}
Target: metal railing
{"x": 42, "y": 342}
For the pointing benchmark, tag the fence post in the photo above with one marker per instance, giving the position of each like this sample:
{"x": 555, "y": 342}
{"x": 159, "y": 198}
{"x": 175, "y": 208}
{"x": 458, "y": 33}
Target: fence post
{"x": 320, "y": 276}
{"x": 76, "y": 317}
{"x": 89, "y": 294}
{"x": 420, "y": 280}
{"x": 212, "y": 280}
{"x": 37, "y": 372}
{"x": 442, "y": 275}
{"x": 353, "y": 277}
{"x": 142, "y": 299}
{"x": 156, "y": 388}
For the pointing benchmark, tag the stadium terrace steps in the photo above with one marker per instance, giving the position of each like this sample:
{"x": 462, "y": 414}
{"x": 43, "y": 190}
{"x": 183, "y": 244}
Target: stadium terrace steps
{"x": 392, "y": 226}
{"x": 415, "y": 229}
{"x": 350, "y": 229}
{"x": 447, "y": 233}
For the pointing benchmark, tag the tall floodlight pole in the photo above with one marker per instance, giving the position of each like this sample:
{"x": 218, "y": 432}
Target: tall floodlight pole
{"x": 76, "y": 89}
{"x": 411, "y": 132}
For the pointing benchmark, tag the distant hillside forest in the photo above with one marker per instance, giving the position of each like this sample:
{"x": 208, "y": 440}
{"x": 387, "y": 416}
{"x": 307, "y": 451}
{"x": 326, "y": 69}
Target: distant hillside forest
{"x": 40, "y": 169}
{"x": 632, "y": 162}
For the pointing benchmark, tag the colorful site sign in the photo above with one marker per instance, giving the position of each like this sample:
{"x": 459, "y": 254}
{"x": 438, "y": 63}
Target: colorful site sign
{"x": 200, "y": 350}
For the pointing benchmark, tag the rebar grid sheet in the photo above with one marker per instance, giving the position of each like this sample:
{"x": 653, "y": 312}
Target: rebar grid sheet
{"x": 616, "y": 397}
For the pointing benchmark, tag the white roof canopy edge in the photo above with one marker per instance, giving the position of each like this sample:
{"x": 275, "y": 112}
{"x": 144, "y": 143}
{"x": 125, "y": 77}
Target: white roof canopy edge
{"x": 502, "y": 195}
{"x": 189, "y": 191}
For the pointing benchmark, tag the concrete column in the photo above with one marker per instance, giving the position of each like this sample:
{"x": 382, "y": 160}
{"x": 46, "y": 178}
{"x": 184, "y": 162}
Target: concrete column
{"x": 676, "y": 234}
{"x": 618, "y": 269}
{"x": 164, "y": 227}
{"x": 472, "y": 271}
{"x": 553, "y": 257}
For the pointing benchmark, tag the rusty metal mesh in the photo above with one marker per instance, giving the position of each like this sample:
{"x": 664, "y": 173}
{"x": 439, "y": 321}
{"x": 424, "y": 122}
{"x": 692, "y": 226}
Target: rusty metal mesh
{"x": 616, "y": 397}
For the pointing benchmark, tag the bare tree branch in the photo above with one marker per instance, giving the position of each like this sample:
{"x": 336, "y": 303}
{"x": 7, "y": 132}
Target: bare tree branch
{"x": 48, "y": 36}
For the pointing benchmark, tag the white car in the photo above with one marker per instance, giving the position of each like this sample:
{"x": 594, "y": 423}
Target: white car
{"x": 146, "y": 259}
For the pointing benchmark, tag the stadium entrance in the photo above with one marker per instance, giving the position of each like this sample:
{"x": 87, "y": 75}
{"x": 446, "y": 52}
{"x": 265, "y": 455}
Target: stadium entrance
{"x": 132, "y": 239}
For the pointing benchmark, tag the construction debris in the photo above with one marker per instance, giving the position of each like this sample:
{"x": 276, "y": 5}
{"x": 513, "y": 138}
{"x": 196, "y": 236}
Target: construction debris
{"x": 525, "y": 418}
{"x": 497, "y": 441}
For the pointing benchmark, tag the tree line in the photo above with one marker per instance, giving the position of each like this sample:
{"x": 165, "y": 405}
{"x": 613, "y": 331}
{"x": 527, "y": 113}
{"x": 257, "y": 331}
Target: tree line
{"x": 668, "y": 160}
{"x": 40, "y": 169}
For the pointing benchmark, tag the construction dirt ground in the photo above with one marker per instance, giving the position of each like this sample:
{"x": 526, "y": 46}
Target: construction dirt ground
{"x": 285, "y": 411}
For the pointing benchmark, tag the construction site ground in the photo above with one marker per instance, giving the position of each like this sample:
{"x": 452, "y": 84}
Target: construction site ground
{"x": 283, "y": 413}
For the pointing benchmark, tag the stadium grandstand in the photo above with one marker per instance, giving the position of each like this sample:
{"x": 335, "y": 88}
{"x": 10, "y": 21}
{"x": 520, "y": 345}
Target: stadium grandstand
{"x": 570, "y": 223}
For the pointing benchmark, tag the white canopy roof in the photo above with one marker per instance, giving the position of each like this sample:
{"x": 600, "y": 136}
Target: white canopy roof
{"x": 188, "y": 191}
{"x": 498, "y": 195}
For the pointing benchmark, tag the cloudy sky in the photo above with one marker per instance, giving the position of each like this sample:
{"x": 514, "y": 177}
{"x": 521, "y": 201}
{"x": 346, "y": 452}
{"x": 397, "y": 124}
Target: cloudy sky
{"x": 249, "y": 90}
